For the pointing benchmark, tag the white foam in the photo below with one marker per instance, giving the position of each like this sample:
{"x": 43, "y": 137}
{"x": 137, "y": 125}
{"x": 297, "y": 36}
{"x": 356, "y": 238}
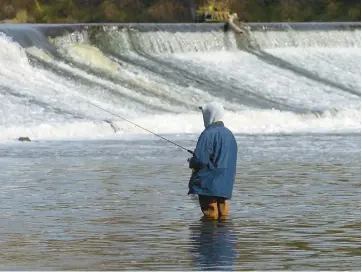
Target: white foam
{"x": 41, "y": 104}
{"x": 79, "y": 130}
{"x": 157, "y": 87}
{"x": 249, "y": 122}
{"x": 12, "y": 53}
{"x": 297, "y": 81}
{"x": 303, "y": 39}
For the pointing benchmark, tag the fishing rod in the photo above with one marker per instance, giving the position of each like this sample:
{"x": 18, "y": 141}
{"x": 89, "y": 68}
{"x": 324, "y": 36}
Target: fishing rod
{"x": 190, "y": 151}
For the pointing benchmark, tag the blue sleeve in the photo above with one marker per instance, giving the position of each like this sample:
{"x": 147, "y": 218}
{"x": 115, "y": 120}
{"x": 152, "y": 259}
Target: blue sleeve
{"x": 202, "y": 153}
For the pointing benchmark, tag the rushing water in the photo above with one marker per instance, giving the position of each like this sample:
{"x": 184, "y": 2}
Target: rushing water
{"x": 283, "y": 80}
{"x": 93, "y": 192}
{"x": 123, "y": 204}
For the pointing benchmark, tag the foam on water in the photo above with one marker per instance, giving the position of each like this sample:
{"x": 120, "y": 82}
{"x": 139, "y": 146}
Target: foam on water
{"x": 249, "y": 122}
{"x": 320, "y": 78}
{"x": 45, "y": 96}
{"x": 305, "y": 39}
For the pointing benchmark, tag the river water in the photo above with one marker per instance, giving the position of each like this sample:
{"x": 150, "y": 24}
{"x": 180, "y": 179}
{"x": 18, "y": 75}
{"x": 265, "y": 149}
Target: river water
{"x": 93, "y": 192}
{"x": 123, "y": 204}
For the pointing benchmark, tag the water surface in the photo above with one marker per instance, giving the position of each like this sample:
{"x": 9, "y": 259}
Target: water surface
{"x": 123, "y": 204}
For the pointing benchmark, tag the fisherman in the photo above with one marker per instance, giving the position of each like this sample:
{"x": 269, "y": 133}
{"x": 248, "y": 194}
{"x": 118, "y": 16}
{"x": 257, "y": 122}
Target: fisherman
{"x": 213, "y": 163}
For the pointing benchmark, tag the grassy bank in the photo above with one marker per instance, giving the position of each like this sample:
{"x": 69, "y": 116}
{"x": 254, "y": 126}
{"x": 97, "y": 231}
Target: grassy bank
{"x": 90, "y": 11}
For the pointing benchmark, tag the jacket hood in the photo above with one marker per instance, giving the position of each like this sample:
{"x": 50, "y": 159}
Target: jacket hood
{"x": 212, "y": 112}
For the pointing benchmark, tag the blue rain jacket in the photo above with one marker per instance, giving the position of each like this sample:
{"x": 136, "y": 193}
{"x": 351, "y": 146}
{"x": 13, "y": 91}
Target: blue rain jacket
{"x": 214, "y": 158}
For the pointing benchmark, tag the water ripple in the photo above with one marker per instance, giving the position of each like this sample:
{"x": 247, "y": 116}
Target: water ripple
{"x": 296, "y": 206}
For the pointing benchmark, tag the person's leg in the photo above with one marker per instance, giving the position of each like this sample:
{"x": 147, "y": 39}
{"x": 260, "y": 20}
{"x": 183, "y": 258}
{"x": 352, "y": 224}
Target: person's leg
{"x": 209, "y": 207}
{"x": 223, "y": 207}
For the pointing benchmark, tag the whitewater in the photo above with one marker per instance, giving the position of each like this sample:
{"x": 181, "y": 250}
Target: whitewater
{"x": 282, "y": 78}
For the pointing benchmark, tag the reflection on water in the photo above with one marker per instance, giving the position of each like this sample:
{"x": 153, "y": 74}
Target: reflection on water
{"x": 213, "y": 244}
{"x": 111, "y": 206}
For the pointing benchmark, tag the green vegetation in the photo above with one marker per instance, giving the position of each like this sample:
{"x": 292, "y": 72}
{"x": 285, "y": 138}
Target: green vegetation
{"x": 95, "y": 11}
